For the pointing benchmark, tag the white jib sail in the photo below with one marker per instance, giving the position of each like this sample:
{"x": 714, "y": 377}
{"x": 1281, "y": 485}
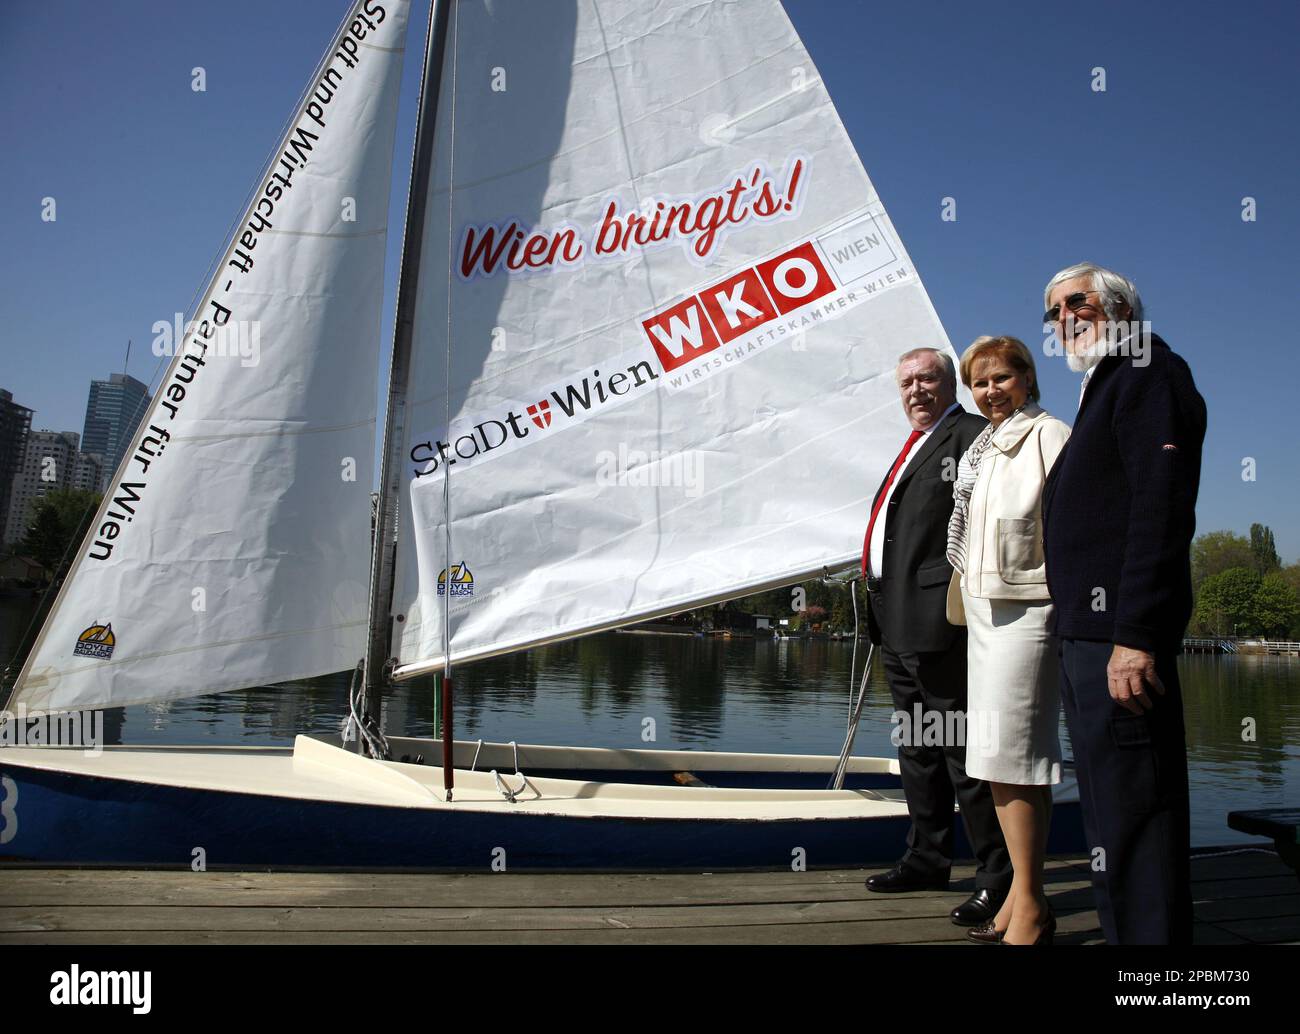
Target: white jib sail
{"x": 232, "y": 547}
{"x": 675, "y": 306}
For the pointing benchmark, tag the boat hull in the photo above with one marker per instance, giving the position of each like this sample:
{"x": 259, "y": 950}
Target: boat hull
{"x": 56, "y": 816}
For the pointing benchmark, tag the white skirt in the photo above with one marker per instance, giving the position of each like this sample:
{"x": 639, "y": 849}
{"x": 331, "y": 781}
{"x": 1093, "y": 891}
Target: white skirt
{"x": 1013, "y": 697}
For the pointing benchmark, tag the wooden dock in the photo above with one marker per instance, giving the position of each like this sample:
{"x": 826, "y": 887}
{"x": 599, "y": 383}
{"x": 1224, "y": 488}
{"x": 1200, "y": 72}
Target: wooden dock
{"x": 1239, "y": 898}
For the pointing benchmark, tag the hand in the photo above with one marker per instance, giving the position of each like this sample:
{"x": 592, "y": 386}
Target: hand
{"x": 1126, "y": 672}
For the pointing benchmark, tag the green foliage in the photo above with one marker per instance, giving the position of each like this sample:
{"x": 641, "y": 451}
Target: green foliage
{"x": 1242, "y": 588}
{"x": 58, "y": 523}
{"x": 1225, "y": 604}
{"x": 1219, "y": 551}
{"x": 828, "y": 605}
{"x": 1275, "y": 607}
{"x": 1291, "y": 575}
{"x": 1264, "y": 549}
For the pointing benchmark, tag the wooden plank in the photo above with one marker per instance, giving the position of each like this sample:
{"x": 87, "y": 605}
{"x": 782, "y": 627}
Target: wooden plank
{"x": 1274, "y": 930}
{"x": 1238, "y": 866}
{"x": 849, "y": 932}
{"x": 862, "y": 932}
{"x": 1275, "y": 905}
{"x": 185, "y": 888}
{"x": 102, "y": 876}
{"x": 1239, "y": 898}
{"x": 1208, "y": 933}
{"x": 1251, "y": 887}
{"x": 234, "y": 917}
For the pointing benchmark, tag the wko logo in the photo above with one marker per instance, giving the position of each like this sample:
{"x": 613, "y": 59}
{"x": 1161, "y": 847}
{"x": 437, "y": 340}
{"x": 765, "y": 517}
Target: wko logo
{"x": 735, "y": 306}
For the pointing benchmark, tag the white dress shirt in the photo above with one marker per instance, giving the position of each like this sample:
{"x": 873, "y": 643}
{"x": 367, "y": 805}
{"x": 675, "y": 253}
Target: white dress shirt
{"x": 876, "y": 551}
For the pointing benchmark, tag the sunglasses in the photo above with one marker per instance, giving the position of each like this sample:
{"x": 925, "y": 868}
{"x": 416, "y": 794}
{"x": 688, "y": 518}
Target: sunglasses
{"x": 1073, "y": 302}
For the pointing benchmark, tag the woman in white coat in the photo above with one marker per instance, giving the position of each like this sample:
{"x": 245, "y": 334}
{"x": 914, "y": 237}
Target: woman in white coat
{"x": 995, "y": 544}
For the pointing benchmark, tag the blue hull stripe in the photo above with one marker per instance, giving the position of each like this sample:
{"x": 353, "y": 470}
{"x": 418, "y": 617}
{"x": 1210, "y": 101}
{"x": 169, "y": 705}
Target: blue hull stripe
{"x": 76, "y": 819}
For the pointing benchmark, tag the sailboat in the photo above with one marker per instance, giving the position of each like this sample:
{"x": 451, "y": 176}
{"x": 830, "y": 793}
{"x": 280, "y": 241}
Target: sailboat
{"x": 635, "y": 233}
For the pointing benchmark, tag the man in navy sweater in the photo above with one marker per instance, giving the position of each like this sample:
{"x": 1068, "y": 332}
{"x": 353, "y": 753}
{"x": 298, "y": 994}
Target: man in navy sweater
{"x": 1118, "y": 517}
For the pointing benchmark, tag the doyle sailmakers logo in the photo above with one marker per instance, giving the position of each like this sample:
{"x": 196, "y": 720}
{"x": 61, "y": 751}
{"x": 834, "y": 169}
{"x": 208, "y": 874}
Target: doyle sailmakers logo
{"x": 775, "y": 299}
{"x": 462, "y": 582}
{"x": 97, "y": 641}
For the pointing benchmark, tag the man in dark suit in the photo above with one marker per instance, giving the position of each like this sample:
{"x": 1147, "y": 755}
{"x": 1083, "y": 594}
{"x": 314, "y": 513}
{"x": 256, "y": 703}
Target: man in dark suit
{"x": 1119, "y": 512}
{"x": 906, "y": 568}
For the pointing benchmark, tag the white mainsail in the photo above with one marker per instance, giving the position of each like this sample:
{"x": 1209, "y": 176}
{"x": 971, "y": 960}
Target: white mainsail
{"x": 231, "y": 548}
{"x": 674, "y": 302}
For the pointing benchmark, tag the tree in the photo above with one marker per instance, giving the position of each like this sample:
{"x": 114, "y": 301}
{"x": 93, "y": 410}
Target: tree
{"x": 1227, "y": 600}
{"x": 59, "y": 522}
{"x": 1219, "y": 551}
{"x": 1275, "y": 606}
{"x": 1264, "y": 549}
{"x": 842, "y": 613}
{"x": 1291, "y": 575}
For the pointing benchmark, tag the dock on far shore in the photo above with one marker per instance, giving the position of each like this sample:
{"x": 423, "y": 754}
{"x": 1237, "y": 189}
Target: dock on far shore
{"x": 1241, "y": 895}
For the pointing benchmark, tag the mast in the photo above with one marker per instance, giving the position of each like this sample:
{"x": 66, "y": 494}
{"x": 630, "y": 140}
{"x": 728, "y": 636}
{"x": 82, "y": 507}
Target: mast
{"x": 384, "y": 546}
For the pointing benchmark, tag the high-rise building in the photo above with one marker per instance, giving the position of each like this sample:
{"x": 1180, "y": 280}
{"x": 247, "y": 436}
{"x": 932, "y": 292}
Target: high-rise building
{"x": 50, "y": 462}
{"x": 88, "y": 472}
{"x": 113, "y": 412}
{"x": 15, "y": 423}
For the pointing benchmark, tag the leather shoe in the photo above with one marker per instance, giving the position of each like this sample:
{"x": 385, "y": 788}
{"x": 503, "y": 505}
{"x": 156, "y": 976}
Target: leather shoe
{"x": 985, "y": 934}
{"x": 902, "y": 878}
{"x": 1046, "y": 933}
{"x": 980, "y": 907}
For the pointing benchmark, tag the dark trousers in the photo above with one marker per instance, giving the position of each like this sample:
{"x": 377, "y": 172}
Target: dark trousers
{"x": 1132, "y": 772}
{"x": 935, "y": 776}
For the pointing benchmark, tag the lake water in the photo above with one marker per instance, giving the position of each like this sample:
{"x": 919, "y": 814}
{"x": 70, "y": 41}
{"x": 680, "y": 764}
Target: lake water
{"x": 789, "y": 696}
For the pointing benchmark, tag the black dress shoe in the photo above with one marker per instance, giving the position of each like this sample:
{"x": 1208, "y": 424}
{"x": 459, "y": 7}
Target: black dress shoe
{"x": 1046, "y": 932}
{"x": 979, "y": 908}
{"x": 901, "y": 878}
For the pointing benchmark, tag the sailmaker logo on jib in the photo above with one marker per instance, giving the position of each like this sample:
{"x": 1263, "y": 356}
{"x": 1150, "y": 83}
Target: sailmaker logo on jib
{"x": 97, "y": 641}
{"x": 462, "y": 582}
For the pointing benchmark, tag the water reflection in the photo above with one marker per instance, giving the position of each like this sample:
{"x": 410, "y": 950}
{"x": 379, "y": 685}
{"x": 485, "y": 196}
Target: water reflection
{"x": 1243, "y": 713}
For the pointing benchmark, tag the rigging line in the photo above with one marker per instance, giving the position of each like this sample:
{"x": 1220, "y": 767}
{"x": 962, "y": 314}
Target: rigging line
{"x": 446, "y": 687}
{"x": 853, "y": 659}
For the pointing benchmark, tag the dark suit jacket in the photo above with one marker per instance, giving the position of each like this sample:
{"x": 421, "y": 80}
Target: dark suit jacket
{"x": 910, "y": 612}
{"x": 1119, "y": 507}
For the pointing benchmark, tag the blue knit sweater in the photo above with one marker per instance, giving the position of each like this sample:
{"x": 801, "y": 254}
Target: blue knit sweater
{"x": 1119, "y": 506}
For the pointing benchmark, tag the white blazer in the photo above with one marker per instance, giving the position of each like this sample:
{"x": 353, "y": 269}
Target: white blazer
{"x": 1004, "y": 531}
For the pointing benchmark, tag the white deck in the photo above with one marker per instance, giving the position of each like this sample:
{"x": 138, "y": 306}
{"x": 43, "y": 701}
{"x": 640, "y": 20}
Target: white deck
{"x": 316, "y": 770}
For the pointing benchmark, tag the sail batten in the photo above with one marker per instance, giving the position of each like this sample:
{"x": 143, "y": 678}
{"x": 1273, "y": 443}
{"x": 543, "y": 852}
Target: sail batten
{"x": 676, "y": 302}
{"x": 229, "y": 548}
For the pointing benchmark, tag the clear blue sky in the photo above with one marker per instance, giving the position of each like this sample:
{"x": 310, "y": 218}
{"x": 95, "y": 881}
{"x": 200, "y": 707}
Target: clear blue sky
{"x": 987, "y": 103}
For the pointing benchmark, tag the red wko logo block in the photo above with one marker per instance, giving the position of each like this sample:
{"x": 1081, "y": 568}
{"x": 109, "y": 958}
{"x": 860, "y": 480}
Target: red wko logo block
{"x": 743, "y": 301}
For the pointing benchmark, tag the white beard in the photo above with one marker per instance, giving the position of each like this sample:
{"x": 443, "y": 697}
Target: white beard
{"x": 1082, "y": 362}
{"x": 1089, "y": 354}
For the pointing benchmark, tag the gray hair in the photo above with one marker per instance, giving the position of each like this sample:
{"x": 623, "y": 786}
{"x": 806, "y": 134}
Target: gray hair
{"x": 1113, "y": 288}
{"x": 945, "y": 361}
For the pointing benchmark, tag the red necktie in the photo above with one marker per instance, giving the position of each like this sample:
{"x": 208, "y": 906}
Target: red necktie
{"x": 884, "y": 494}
